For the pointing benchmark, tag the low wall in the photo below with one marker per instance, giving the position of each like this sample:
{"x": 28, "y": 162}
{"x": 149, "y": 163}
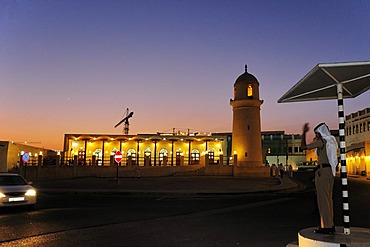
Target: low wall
{"x": 258, "y": 171}
{"x": 145, "y": 171}
{"x": 67, "y": 172}
{"x": 218, "y": 170}
{"x": 237, "y": 171}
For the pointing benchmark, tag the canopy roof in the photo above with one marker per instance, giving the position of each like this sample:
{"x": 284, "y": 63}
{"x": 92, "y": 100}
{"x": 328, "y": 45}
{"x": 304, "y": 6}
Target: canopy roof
{"x": 321, "y": 82}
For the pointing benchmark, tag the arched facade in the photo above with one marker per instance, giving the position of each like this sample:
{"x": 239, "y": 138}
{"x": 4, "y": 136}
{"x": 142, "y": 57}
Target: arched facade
{"x": 157, "y": 149}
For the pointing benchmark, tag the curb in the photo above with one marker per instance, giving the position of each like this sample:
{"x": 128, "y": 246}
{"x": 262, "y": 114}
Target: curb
{"x": 283, "y": 186}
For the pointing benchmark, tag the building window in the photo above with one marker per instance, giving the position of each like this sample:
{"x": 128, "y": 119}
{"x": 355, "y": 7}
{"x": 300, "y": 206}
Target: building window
{"x": 132, "y": 153}
{"x": 147, "y": 152}
{"x": 195, "y": 156}
{"x": 368, "y": 126}
{"x": 81, "y": 157}
{"x": 162, "y": 154}
{"x": 249, "y": 91}
{"x": 360, "y": 127}
{"x": 179, "y": 154}
{"x": 211, "y": 157}
{"x": 99, "y": 155}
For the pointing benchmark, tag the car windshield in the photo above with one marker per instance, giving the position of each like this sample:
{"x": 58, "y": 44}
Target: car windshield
{"x": 12, "y": 180}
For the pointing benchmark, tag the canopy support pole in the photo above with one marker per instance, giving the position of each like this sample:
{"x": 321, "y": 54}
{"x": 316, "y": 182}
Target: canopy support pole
{"x": 343, "y": 170}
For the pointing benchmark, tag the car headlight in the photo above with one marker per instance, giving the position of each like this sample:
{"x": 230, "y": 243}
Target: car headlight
{"x": 31, "y": 192}
{"x": 2, "y": 195}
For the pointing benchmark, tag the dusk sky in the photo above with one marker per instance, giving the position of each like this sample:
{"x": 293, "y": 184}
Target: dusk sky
{"x": 75, "y": 66}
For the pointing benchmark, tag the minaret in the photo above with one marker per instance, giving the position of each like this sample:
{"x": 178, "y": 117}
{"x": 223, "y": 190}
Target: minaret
{"x": 246, "y": 138}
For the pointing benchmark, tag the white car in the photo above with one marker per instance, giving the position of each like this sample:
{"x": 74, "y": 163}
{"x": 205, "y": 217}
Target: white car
{"x": 15, "y": 191}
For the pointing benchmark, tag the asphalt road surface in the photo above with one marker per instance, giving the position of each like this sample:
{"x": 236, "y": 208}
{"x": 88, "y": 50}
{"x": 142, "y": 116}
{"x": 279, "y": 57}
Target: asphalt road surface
{"x": 256, "y": 219}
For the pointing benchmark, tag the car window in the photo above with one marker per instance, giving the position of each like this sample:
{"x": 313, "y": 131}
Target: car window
{"x": 12, "y": 180}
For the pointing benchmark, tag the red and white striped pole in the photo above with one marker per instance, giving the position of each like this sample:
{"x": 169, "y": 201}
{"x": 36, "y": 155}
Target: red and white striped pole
{"x": 343, "y": 171}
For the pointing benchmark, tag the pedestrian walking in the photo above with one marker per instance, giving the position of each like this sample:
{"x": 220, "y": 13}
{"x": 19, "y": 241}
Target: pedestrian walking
{"x": 272, "y": 170}
{"x": 275, "y": 171}
{"x": 281, "y": 170}
{"x": 326, "y": 150}
{"x": 290, "y": 170}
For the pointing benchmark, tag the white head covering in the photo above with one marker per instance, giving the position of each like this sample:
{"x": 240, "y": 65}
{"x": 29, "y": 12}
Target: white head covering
{"x": 331, "y": 145}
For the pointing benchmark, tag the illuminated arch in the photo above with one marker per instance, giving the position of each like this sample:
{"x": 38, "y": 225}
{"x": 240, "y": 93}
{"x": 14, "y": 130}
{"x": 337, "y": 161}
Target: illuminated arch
{"x": 131, "y": 152}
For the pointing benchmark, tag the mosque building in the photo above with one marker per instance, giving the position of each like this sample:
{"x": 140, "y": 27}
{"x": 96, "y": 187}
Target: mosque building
{"x": 183, "y": 147}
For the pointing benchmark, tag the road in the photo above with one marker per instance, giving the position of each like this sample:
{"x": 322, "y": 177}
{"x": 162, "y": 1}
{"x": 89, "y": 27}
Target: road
{"x": 257, "y": 219}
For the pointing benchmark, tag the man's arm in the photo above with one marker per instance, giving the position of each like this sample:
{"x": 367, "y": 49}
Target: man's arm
{"x": 303, "y": 140}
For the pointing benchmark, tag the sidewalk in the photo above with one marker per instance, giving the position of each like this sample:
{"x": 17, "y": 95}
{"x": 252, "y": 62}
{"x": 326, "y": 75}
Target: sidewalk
{"x": 166, "y": 185}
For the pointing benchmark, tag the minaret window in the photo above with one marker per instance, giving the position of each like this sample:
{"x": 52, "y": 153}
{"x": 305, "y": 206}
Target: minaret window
{"x": 249, "y": 91}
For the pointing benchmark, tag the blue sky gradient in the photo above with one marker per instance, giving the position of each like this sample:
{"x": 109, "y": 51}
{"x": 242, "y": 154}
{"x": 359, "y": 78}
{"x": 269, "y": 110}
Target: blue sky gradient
{"x": 75, "y": 66}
